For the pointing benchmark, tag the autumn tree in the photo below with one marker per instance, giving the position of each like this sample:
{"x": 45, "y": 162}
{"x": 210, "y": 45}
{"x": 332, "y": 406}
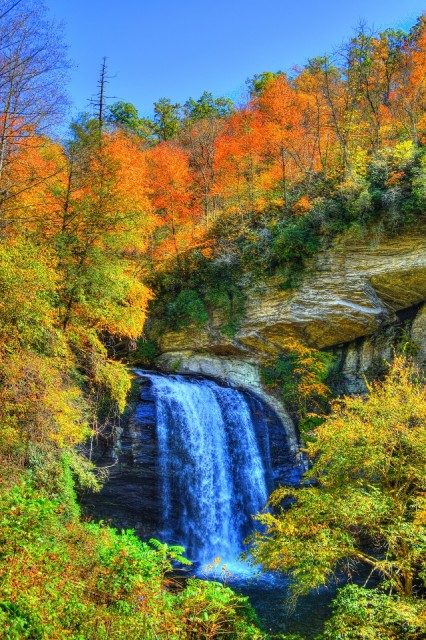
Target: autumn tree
{"x": 288, "y": 137}
{"x": 340, "y": 106}
{"x": 310, "y": 82}
{"x": 32, "y": 69}
{"x": 363, "y": 500}
{"x": 260, "y": 81}
{"x": 408, "y": 103}
{"x": 94, "y": 217}
{"x": 172, "y": 200}
{"x": 203, "y": 123}
{"x": 372, "y": 62}
{"x": 239, "y": 164}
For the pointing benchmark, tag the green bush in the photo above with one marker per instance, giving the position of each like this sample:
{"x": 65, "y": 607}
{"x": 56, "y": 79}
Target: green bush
{"x": 64, "y": 578}
{"x": 145, "y": 353}
{"x": 296, "y": 241}
{"x": 370, "y": 613}
{"x": 187, "y": 308}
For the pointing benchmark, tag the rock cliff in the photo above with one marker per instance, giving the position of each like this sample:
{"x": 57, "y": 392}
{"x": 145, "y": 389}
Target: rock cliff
{"x": 350, "y": 297}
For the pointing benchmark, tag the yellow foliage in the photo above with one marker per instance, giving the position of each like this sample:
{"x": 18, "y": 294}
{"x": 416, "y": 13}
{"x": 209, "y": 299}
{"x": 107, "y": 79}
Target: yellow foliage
{"x": 403, "y": 151}
{"x": 367, "y": 483}
{"x": 39, "y": 403}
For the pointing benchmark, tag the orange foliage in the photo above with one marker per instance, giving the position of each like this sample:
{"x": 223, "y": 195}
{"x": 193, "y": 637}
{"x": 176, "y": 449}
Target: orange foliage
{"x": 238, "y": 163}
{"x": 325, "y": 120}
{"x": 170, "y": 192}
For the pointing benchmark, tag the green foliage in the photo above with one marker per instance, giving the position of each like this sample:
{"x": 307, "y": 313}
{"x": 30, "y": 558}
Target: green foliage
{"x": 145, "y": 353}
{"x": 187, "y": 308}
{"x": 169, "y": 553}
{"x": 126, "y": 115}
{"x": 403, "y": 342}
{"x": 231, "y": 306}
{"x": 176, "y": 364}
{"x": 216, "y": 608}
{"x": 370, "y": 613}
{"x": 259, "y": 81}
{"x": 296, "y": 240}
{"x": 64, "y": 578}
{"x": 18, "y": 624}
{"x": 166, "y": 123}
{"x": 57, "y": 476}
{"x": 207, "y": 107}
{"x": 287, "y": 636}
{"x": 198, "y": 286}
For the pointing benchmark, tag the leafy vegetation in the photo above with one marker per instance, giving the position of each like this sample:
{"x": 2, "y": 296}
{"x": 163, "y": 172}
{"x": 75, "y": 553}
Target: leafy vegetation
{"x": 300, "y": 376}
{"x": 363, "y": 503}
{"x": 73, "y": 292}
{"x": 336, "y": 148}
{"x": 64, "y": 578}
{"x": 371, "y": 613}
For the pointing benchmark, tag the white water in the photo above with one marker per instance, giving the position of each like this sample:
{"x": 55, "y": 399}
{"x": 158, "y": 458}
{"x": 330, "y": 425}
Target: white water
{"x": 211, "y": 470}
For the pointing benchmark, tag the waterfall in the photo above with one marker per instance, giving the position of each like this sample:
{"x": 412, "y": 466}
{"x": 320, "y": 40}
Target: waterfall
{"x": 212, "y": 469}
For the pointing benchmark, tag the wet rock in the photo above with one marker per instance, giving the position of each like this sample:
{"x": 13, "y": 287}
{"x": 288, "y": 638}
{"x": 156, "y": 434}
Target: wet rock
{"x": 131, "y": 496}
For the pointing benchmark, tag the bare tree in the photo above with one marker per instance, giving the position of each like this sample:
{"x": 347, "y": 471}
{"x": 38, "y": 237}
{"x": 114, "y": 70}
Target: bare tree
{"x": 33, "y": 70}
{"x": 99, "y": 102}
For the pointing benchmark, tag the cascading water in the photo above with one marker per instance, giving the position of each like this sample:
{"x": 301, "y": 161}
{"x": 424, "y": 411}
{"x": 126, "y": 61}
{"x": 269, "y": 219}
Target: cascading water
{"x": 192, "y": 463}
{"x": 213, "y": 476}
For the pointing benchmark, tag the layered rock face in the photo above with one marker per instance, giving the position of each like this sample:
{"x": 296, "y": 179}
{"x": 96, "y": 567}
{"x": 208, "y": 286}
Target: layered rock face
{"x": 352, "y": 293}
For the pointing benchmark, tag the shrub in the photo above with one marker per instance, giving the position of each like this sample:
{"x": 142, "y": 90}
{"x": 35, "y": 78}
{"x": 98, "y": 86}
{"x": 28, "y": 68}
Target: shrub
{"x": 63, "y": 578}
{"x": 187, "y": 308}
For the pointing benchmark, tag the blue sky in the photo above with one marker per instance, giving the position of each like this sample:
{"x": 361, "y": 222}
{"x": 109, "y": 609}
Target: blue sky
{"x": 179, "y": 49}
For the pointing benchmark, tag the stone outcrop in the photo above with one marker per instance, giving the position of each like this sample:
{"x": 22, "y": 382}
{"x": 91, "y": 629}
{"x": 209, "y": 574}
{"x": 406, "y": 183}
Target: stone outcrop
{"x": 349, "y": 300}
{"x": 350, "y": 291}
{"x": 418, "y": 335}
